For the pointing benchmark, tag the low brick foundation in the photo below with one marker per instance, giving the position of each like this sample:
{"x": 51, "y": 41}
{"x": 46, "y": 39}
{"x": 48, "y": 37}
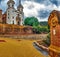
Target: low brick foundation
{"x": 26, "y": 36}
{"x": 9, "y": 29}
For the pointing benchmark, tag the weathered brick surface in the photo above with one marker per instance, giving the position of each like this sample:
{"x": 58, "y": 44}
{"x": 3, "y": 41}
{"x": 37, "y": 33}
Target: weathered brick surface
{"x": 54, "y": 23}
{"x": 15, "y": 29}
{"x": 55, "y": 39}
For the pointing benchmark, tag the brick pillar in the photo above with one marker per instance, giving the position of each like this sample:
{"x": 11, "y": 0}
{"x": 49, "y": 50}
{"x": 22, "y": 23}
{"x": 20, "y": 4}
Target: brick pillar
{"x": 0, "y": 16}
{"x": 54, "y": 49}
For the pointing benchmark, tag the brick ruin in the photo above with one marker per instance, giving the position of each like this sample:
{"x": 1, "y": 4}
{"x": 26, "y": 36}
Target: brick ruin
{"x": 54, "y": 23}
{"x": 8, "y": 29}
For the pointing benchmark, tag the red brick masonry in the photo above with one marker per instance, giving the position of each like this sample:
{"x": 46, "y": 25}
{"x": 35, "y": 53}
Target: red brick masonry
{"x": 9, "y": 29}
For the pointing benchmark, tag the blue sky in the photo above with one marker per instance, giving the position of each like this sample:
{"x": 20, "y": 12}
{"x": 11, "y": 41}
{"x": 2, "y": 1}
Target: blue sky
{"x": 38, "y": 8}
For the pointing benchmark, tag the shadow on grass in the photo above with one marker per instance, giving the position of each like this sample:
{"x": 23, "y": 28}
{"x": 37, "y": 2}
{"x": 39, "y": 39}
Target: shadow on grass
{"x": 2, "y": 41}
{"x": 44, "y": 52}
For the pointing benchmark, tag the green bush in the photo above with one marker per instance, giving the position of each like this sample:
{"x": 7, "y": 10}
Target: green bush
{"x": 31, "y": 21}
{"x": 40, "y": 29}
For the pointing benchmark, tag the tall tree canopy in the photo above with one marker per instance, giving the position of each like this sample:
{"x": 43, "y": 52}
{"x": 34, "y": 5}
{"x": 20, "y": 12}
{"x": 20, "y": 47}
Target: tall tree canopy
{"x": 31, "y": 21}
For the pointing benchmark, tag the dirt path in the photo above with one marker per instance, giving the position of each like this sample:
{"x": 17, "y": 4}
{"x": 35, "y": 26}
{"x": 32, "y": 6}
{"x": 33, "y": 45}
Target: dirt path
{"x": 18, "y": 48}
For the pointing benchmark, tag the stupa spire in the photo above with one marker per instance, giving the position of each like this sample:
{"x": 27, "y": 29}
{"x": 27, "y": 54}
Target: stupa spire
{"x": 19, "y": 1}
{"x": 10, "y": 0}
{"x": 20, "y": 5}
{"x": 10, "y": 3}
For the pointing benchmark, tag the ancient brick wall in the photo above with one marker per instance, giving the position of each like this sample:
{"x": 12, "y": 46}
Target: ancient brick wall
{"x": 14, "y": 29}
{"x": 55, "y": 38}
{"x": 54, "y": 23}
{"x": 0, "y": 16}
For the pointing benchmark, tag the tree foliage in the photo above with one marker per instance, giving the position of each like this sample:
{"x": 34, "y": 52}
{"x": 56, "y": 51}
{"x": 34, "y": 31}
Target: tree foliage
{"x": 31, "y": 21}
{"x": 40, "y": 29}
{"x": 44, "y": 23}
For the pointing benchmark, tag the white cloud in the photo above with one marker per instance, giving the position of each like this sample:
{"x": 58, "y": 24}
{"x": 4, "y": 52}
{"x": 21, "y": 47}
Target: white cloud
{"x": 32, "y": 8}
{"x": 37, "y": 7}
{"x": 45, "y": 19}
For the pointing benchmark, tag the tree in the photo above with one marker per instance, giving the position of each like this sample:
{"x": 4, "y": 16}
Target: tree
{"x": 44, "y": 23}
{"x": 40, "y": 29}
{"x": 31, "y": 21}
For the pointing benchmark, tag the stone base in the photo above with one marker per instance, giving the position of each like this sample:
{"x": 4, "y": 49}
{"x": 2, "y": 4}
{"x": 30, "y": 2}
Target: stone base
{"x": 54, "y": 51}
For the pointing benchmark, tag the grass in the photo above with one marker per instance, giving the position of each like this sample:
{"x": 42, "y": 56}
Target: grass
{"x": 18, "y": 48}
